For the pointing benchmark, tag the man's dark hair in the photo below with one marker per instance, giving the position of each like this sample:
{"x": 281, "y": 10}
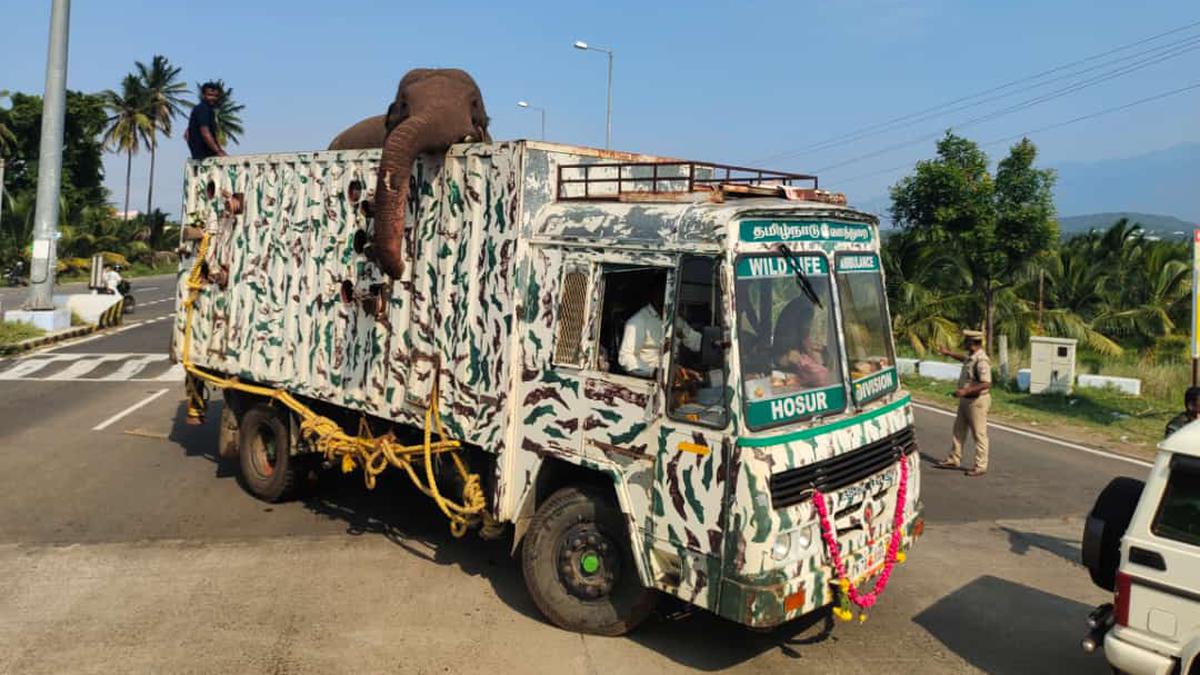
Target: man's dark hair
{"x": 1192, "y": 394}
{"x": 211, "y": 85}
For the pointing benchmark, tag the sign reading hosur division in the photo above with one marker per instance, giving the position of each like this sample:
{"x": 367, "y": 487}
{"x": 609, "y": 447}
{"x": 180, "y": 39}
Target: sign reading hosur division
{"x": 874, "y": 385}
{"x": 760, "y": 231}
{"x": 801, "y": 405}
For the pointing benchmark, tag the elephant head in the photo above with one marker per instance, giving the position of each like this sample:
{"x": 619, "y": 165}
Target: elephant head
{"x": 434, "y": 108}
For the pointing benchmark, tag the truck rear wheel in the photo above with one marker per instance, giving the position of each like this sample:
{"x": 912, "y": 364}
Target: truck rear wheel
{"x": 579, "y": 567}
{"x": 268, "y": 469}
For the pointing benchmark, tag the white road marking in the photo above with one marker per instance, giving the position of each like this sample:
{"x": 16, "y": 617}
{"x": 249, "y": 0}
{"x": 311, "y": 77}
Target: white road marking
{"x": 82, "y": 367}
{"x": 27, "y": 367}
{"x": 78, "y": 366}
{"x": 1046, "y": 439}
{"x": 144, "y": 402}
{"x": 134, "y": 366}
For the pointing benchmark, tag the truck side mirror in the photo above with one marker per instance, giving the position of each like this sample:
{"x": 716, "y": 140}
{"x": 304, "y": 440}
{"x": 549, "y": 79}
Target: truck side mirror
{"x": 713, "y": 344}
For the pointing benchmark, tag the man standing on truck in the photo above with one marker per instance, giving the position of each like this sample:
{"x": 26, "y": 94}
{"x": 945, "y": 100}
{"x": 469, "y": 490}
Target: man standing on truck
{"x": 201, "y": 134}
{"x": 974, "y": 399}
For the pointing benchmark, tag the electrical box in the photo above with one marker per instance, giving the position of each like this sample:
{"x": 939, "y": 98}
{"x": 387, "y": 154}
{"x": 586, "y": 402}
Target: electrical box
{"x": 1052, "y": 365}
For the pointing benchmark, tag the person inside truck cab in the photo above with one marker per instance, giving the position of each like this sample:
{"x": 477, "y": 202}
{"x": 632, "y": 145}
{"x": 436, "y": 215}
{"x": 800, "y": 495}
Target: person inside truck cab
{"x": 1191, "y": 405}
{"x": 793, "y": 349}
{"x": 642, "y": 337}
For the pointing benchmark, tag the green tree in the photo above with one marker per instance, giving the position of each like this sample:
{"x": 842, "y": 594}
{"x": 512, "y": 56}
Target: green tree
{"x": 129, "y": 125}
{"x": 165, "y": 95}
{"x": 228, "y": 114}
{"x": 82, "y": 163}
{"x": 995, "y": 225}
{"x": 7, "y": 138}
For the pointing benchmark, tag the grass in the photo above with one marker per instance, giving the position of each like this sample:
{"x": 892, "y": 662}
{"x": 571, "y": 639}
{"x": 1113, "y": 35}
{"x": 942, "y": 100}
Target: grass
{"x": 1103, "y": 417}
{"x": 12, "y": 332}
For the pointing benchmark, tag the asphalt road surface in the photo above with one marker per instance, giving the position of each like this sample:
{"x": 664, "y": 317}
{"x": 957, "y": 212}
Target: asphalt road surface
{"x": 126, "y": 546}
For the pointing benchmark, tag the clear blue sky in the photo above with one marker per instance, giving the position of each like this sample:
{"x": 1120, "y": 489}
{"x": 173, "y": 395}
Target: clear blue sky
{"x": 703, "y": 80}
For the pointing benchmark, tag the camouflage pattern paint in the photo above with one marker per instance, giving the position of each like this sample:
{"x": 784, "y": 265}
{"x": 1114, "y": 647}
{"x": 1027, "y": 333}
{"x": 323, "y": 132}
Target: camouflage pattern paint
{"x": 487, "y": 247}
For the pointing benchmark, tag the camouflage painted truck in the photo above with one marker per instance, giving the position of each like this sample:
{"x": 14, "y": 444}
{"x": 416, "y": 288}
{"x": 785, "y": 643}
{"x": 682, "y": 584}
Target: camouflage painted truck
{"x": 764, "y": 468}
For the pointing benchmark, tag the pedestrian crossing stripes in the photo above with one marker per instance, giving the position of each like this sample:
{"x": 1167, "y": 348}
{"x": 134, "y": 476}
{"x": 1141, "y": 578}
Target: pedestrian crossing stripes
{"x": 57, "y": 367}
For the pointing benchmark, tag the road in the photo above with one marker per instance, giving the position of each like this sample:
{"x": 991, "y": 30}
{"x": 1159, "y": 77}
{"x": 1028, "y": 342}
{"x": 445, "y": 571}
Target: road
{"x": 125, "y": 545}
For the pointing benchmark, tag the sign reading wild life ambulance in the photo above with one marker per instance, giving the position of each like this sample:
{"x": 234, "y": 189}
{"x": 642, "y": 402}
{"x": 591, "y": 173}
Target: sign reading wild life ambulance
{"x": 876, "y": 384}
{"x": 769, "y": 400}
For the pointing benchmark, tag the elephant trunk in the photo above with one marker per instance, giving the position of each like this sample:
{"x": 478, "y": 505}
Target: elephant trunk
{"x": 410, "y": 138}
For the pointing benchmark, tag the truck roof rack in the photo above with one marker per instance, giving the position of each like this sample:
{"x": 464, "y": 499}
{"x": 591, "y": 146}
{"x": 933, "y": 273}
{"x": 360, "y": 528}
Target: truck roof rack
{"x": 669, "y": 180}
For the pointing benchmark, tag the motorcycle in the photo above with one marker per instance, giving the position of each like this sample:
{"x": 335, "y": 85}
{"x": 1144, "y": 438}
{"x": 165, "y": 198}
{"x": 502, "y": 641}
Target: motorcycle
{"x": 13, "y": 275}
{"x": 128, "y": 300}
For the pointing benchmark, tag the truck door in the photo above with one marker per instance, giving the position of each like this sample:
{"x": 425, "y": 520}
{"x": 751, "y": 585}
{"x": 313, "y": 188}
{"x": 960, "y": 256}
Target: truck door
{"x": 692, "y": 443}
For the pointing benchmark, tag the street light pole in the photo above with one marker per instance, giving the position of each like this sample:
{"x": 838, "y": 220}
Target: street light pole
{"x": 580, "y": 44}
{"x": 525, "y": 104}
{"x": 45, "y": 228}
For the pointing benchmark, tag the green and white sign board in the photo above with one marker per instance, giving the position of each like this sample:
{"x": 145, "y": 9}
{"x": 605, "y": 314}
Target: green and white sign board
{"x": 874, "y": 385}
{"x": 850, "y": 263}
{"x": 767, "y": 267}
{"x": 801, "y": 405}
{"x": 775, "y": 231}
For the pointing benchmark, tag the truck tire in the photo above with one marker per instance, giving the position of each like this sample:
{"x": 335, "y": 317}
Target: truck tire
{"x": 579, "y": 567}
{"x": 1105, "y": 525}
{"x": 268, "y": 469}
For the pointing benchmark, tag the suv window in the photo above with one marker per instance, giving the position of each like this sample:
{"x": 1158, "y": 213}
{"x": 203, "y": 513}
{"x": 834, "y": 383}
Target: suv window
{"x": 1178, "y": 516}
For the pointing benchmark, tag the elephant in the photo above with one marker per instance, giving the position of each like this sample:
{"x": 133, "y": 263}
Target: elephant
{"x": 434, "y": 108}
{"x": 368, "y": 133}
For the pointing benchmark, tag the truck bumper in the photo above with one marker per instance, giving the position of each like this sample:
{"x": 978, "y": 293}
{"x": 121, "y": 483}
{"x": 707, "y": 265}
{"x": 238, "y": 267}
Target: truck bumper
{"x": 766, "y": 601}
{"x": 1128, "y": 657}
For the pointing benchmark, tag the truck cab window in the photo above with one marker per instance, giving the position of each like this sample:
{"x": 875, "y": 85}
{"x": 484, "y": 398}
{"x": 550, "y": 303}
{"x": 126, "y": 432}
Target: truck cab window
{"x": 697, "y": 382}
{"x": 631, "y": 325}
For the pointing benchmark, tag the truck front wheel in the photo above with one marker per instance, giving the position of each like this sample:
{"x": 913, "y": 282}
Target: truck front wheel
{"x": 268, "y": 469}
{"x": 579, "y": 567}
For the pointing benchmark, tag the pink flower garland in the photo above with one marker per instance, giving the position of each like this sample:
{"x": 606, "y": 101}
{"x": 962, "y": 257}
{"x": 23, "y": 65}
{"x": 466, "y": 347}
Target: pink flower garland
{"x": 865, "y": 600}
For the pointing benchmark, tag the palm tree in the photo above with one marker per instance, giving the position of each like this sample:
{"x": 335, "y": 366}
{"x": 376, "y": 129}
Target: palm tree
{"x": 228, "y": 115}
{"x": 129, "y": 126}
{"x": 165, "y": 97}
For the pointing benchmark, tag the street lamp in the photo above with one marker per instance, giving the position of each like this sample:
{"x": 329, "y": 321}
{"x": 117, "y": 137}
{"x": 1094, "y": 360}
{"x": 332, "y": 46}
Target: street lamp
{"x": 525, "y": 104}
{"x": 580, "y": 44}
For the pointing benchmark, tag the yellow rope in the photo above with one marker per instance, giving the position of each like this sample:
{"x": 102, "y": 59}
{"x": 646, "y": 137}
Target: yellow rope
{"x": 372, "y": 454}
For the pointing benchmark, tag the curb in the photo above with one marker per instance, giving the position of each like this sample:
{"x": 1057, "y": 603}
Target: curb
{"x": 34, "y": 343}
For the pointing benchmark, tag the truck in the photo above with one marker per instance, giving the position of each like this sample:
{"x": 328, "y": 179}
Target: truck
{"x": 656, "y": 376}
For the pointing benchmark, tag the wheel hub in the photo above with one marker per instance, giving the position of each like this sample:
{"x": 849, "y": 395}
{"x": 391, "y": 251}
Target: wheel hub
{"x": 588, "y": 564}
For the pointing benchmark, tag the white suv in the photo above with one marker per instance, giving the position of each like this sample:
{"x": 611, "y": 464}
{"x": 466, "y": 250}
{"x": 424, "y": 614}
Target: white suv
{"x": 1142, "y": 541}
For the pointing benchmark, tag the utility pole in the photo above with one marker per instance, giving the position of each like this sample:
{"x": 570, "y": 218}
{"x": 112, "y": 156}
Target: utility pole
{"x": 54, "y": 107}
{"x": 580, "y": 44}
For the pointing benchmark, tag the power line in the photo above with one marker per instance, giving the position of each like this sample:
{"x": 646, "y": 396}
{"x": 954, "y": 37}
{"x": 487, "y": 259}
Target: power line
{"x": 1027, "y": 103}
{"x": 880, "y": 127}
{"x": 917, "y": 119}
{"x": 1039, "y": 130}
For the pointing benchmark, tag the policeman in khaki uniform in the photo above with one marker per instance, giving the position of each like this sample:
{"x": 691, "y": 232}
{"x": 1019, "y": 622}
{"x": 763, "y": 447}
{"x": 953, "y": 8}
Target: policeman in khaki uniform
{"x": 974, "y": 383}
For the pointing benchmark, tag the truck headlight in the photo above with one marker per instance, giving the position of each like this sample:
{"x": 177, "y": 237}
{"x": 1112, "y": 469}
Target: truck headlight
{"x": 804, "y": 538}
{"x": 782, "y": 546}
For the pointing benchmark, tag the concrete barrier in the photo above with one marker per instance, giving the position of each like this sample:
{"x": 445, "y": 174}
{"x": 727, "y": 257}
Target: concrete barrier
{"x": 101, "y": 309}
{"x": 1128, "y": 385}
{"x": 906, "y": 366}
{"x": 939, "y": 370}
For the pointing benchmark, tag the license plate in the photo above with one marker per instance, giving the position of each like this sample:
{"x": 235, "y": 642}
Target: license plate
{"x": 855, "y": 494}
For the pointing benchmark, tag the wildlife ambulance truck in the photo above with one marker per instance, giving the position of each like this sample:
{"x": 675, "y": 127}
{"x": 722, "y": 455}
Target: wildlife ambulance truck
{"x": 760, "y": 463}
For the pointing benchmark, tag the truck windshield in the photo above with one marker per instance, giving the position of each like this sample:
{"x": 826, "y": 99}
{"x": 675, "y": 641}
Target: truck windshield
{"x": 791, "y": 368}
{"x": 866, "y": 326}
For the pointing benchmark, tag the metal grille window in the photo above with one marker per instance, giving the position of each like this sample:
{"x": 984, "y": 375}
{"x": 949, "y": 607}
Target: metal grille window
{"x": 572, "y": 305}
